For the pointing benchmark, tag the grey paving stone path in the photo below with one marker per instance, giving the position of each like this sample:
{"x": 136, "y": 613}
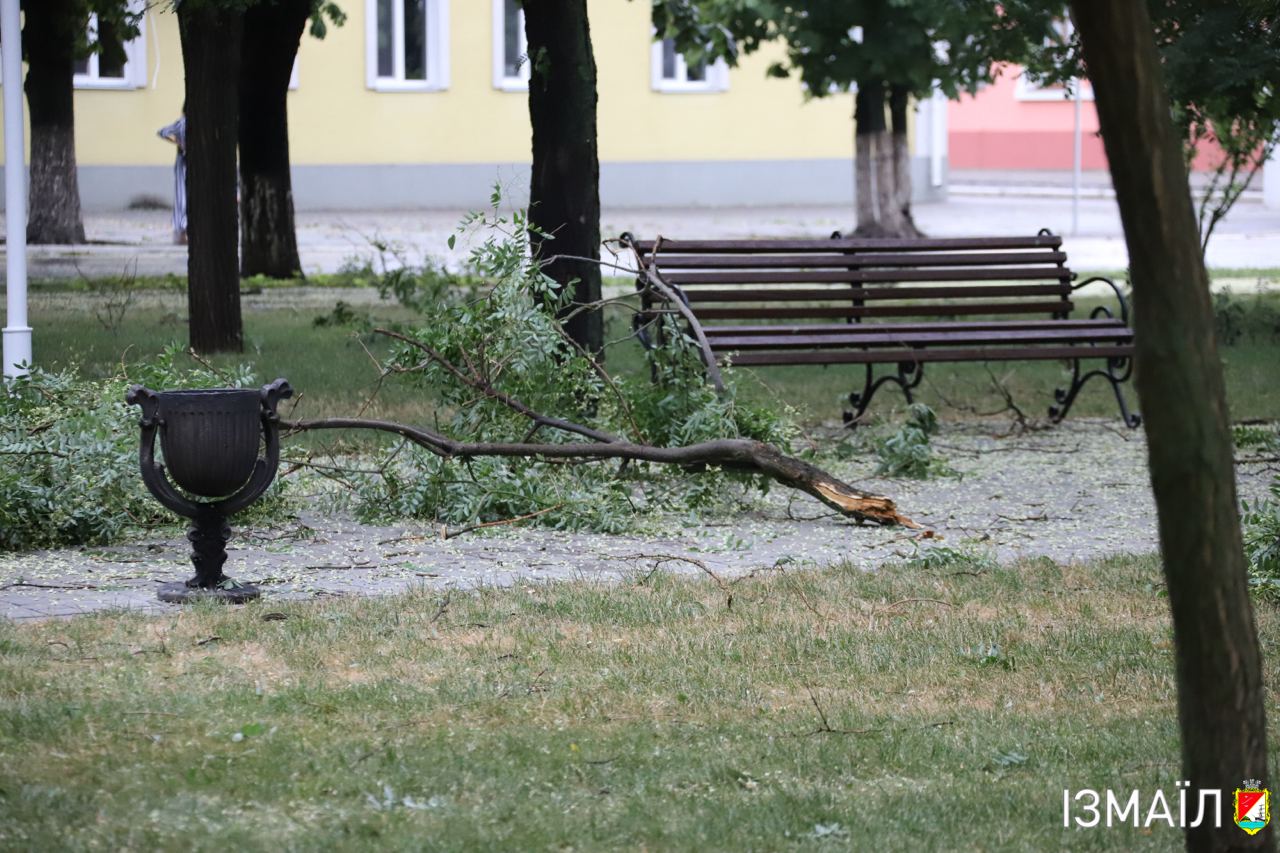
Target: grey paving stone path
{"x": 1075, "y": 492}
{"x": 140, "y": 241}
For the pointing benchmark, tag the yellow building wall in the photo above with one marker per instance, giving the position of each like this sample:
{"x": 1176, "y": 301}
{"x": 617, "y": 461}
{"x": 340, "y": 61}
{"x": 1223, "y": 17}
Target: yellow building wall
{"x": 335, "y": 119}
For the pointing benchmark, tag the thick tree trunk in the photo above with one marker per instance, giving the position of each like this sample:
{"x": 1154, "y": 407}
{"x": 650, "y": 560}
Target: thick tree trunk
{"x": 899, "y": 104}
{"x": 891, "y": 223}
{"x": 52, "y": 29}
{"x": 564, "y": 193}
{"x": 1180, "y": 385}
{"x": 268, "y": 241}
{"x": 869, "y": 116}
{"x": 211, "y": 39}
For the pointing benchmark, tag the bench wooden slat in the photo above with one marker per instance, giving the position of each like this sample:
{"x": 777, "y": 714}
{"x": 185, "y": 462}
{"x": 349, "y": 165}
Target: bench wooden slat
{"x": 844, "y": 244}
{"x": 893, "y": 356}
{"x": 714, "y": 332}
{"x": 908, "y": 310}
{"x": 861, "y": 276}
{"x": 896, "y": 338}
{"x": 779, "y": 294}
{"x": 666, "y": 261}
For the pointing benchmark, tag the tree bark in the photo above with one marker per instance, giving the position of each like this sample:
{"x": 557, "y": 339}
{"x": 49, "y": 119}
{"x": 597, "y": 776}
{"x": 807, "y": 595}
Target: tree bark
{"x": 564, "y": 192}
{"x": 1184, "y": 408}
{"x": 899, "y": 105}
{"x": 891, "y": 223}
{"x": 51, "y": 31}
{"x": 268, "y": 240}
{"x": 211, "y": 40}
{"x": 869, "y": 116}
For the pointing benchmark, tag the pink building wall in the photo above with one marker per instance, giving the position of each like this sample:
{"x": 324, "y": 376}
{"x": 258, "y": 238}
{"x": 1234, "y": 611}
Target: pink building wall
{"x": 997, "y": 129}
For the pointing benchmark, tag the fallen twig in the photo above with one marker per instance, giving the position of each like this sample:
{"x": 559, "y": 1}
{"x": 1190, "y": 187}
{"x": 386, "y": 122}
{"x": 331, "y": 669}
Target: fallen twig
{"x": 871, "y": 622}
{"x": 446, "y": 533}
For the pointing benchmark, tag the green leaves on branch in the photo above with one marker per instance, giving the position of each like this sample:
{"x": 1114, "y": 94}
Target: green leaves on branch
{"x": 833, "y": 44}
{"x": 509, "y": 333}
{"x": 907, "y": 452}
{"x": 69, "y": 454}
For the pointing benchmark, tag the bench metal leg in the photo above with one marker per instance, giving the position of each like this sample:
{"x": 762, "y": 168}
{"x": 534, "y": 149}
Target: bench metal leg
{"x": 909, "y": 375}
{"x": 1117, "y": 370}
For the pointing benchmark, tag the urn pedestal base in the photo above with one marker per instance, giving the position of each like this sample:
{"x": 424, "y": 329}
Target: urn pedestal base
{"x": 178, "y": 592}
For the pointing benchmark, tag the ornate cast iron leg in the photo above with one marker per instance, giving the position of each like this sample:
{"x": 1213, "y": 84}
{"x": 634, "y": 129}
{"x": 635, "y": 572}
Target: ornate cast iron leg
{"x": 1117, "y": 371}
{"x": 909, "y": 375}
{"x": 208, "y": 536}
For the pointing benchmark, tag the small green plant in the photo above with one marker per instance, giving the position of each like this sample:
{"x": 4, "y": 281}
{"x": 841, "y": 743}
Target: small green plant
{"x": 1260, "y": 436}
{"x": 423, "y": 288}
{"x": 1238, "y": 319}
{"x": 115, "y": 296}
{"x": 907, "y": 452}
{"x": 1261, "y": 524}
{"x": 936, "y": 557}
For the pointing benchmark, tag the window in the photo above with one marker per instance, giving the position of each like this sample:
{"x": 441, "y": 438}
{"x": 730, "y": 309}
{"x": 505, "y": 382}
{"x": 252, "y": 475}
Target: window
{"x": 1027, "y": 89}
{"x": 510, "y": 49}
{"x": 407, "y": 45}
{"x": 117, "y": 63}
{"x": 671, "y": 73}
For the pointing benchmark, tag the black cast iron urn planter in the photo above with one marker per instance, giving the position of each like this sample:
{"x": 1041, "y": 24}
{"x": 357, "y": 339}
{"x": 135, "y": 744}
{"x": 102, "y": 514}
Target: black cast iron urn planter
{"x": 213, "y": 442}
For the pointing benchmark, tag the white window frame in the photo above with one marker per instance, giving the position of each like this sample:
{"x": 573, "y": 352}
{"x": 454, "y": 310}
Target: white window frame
{"x": 501, "y": 80}
{"x": 437, "y": 23}
{"x": 135, "y": 59}
{"x": 717, "y": 77}
{"x": 1026, "y": 89}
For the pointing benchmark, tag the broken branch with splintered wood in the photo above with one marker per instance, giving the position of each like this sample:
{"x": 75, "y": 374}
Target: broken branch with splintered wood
{"x": 738, "y": 454}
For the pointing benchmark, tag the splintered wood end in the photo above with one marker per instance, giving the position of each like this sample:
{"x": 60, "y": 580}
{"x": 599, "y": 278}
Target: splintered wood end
{"x": 881, "y": 509}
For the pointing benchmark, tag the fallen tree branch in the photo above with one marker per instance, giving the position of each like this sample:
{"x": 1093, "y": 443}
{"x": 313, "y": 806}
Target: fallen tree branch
{"x": 446, "y": 533}
{"x": 735, "y": 453}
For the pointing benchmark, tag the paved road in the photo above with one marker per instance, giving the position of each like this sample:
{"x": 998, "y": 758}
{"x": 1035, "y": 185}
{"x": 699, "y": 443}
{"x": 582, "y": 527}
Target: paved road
{"x": 139, "y": 240}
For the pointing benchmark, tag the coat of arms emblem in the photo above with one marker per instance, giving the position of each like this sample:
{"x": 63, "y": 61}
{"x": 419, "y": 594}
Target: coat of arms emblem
{"x": 1253, "y": 806}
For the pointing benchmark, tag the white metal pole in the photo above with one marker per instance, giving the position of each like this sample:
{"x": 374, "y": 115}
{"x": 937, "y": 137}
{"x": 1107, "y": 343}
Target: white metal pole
{"x": 1077, "y": 159}
{"x": 17, "y": 334}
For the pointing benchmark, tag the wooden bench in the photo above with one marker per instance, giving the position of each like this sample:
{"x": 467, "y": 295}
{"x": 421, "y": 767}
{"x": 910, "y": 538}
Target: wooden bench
{"x": 885, "y": 302}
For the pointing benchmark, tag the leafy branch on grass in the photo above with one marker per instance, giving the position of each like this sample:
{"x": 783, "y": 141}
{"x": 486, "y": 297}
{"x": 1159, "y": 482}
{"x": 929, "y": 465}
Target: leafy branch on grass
{"x": 739, "y": 454}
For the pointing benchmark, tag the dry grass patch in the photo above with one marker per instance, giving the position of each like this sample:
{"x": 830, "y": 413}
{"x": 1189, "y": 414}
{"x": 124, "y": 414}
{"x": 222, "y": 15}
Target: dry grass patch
{"x": 603, "y": 717}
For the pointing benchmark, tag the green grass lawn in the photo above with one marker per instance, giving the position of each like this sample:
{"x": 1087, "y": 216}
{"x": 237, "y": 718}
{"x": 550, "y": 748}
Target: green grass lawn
{"x": 926, "y": 706}
{"x": 333, "y": 371}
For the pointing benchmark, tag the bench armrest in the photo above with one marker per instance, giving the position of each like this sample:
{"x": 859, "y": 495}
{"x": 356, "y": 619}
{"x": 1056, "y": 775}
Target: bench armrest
{"x": 1102, "y": 309}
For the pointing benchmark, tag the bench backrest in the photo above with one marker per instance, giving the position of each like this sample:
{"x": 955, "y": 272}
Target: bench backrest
{"x": 855, "y": 279}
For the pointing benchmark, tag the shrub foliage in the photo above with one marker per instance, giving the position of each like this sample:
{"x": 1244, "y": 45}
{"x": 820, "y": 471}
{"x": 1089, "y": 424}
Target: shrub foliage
{"x": 69, "y": 453}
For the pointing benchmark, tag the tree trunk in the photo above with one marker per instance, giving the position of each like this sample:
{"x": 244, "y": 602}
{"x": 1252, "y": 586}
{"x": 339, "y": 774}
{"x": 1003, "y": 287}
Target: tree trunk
{"x": 899, "y": 97}
{"x": 211, "y": 39}
{"x": 891, "y": 222}
{"x": 564, "y": 193}
{"x": 52, "y": 29}
{"x": 1180, "y": 386}
{"x": 869, "y": 116}
{"x": 268, "y": 241}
